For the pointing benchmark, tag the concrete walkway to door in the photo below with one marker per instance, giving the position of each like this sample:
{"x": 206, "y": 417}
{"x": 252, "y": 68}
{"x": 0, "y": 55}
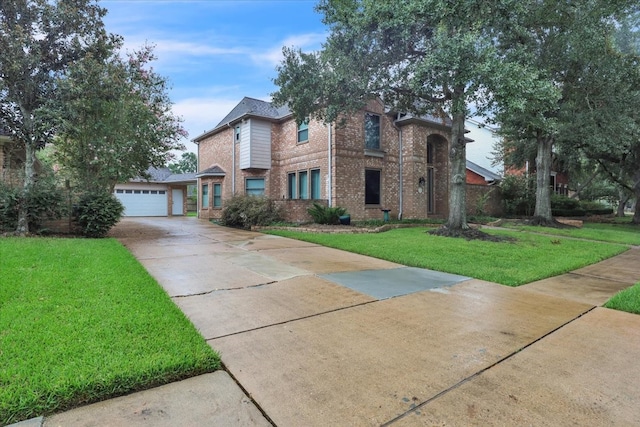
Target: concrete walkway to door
{"x": 314, "y": 336}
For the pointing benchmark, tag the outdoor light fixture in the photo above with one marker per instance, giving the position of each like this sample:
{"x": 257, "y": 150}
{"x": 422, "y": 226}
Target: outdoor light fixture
{"x": 421, "y": 181}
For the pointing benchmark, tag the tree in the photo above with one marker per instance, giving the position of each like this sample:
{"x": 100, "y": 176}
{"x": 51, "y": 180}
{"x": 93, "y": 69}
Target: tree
{"x": 418, "y": 56}
{"x": 114, "y": 120}
{"x": 561, "y": 43}
{"x": 188, "y": 163}
{"x": 38, "y": 41}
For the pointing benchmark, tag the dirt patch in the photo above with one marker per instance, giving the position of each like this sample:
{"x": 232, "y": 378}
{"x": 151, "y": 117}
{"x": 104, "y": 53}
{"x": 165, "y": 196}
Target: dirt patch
{"x": 469, "y": 234}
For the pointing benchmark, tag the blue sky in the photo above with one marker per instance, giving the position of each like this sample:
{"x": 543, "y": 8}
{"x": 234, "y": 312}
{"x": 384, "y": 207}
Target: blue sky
{"x": 214, "y": 52}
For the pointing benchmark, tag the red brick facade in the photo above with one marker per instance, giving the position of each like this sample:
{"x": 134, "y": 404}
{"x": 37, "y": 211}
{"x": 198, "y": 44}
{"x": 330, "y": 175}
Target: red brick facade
{"x": 338, "y": 152}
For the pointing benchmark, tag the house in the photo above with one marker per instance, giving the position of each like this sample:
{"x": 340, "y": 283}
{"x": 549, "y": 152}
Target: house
{"x": 376, "y": 160}
{"x": 12, "y": 158}
{"x": 478, "y": 175}
{"x": 162, "y": 194}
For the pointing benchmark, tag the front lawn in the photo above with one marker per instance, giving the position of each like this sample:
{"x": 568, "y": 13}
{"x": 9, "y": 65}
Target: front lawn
{"x": 80, "y": 321}
{"x": 532, "y": 257}
{"x": 625, "y": 233}
{"x": 626, "y": 300}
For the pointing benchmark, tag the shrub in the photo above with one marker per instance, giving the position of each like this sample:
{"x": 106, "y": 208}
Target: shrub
{"x": 565, "y": 206}
{"x": 246, "y": 211}
{"x": 595, "y": 208}
{"x": 518, "y": 195}
{"x": 326, "y": 214}
{"x": 43, "y": 201}
{"x": 97, "y": 213}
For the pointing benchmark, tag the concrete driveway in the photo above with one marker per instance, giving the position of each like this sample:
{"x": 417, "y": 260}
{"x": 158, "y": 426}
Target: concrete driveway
{"x": 317, "y": 336}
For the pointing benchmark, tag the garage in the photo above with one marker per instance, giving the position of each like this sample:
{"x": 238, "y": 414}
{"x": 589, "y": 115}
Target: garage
{"x": 143, "y": 201}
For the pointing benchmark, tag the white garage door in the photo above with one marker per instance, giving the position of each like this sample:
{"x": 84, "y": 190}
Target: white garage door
{"x": 143, "y": 202}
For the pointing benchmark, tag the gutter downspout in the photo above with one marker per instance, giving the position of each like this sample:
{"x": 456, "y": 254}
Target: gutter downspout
{"x": 400, "y": 168}
{"x": 329, "y": 165}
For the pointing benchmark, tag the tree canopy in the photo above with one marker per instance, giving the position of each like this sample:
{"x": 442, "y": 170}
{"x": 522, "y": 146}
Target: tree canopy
{"x": 418, "y": 56}
{"x": 187, "y": 163}
{"x": 38, "y": 41}
{"x": 114, "y": 119}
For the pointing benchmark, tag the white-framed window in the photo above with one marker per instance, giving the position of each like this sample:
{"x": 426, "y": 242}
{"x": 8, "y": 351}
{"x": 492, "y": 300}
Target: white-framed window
{"x": 303, "y": 185}
{"x": 315, "y": 184}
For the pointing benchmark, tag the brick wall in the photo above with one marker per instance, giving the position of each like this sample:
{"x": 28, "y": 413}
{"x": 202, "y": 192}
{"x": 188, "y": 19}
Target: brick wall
{"x": 493, "y": 205}
{"x": 296, "y": 210}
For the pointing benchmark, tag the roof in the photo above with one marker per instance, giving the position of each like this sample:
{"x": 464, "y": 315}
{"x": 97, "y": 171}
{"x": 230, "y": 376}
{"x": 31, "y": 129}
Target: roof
{"x": 212, "y": 171}
{"x": 485, "y": 173}
{"x": 165, "y": 175}
{"x": 249, "y": 107}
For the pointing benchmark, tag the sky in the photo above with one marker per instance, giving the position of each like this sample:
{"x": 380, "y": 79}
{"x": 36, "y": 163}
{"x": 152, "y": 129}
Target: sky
{"x": 215, "y": 52}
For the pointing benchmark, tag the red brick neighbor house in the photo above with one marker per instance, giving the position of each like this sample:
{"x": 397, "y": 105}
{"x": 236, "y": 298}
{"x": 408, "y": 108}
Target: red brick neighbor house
{"x": 375, "y": 161}
{"x": 12, "y": 157}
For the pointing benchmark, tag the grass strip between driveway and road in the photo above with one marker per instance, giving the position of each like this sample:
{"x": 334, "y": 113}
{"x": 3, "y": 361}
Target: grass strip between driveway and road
{"x": 627, "y": 234}
{"x": 81, "y": 321}
{"x": 531, "y": 257}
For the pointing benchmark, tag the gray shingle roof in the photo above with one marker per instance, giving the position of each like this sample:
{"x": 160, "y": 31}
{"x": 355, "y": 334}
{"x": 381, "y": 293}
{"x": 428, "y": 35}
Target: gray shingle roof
{"x": 485, "y": 173}
{"x": 165, "y": 175}
{"x": 212, "y": 171}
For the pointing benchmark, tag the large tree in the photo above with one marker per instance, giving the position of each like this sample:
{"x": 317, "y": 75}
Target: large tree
{"x": 418, "y": 56}
{"x": 38, "y": 41}
{"x": 114, "y": 120}
{"x": 562, "y": 43}
{"x": 187, "y": 163}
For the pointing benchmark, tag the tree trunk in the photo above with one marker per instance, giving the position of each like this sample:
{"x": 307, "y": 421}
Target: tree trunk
{"x": 29, "y": 174}
{"x": 458, "y": 159}
{"x": 542, "y": 214}
{"x": 623, "y": 198}
{"x": 636, "y": 190}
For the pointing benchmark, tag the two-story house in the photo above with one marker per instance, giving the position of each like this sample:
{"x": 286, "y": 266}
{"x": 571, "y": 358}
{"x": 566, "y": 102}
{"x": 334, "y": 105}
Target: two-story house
{"x": 376, "y": 160}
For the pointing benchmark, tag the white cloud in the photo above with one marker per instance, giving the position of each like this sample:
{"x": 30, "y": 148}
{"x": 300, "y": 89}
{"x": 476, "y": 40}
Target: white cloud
{"x": 273, "y": 56}
{"x": 203, "y": 114}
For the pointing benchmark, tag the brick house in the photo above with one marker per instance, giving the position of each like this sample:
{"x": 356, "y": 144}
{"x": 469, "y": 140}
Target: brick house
{"x": 12, "y": 158}
{"x": 376, "y": 160}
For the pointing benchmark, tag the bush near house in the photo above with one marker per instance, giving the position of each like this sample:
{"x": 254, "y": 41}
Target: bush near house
{"x": 44, "y": 200}
{"x": 326, "y": 214}
{"x": 97, "y": 213}
{"x": 245, "y": 211}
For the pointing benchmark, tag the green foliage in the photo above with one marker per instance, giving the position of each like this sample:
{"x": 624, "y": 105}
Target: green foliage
{"x": 97, "y": 213}
{"x": 566, "y": 206}
{"x": 627, "y": 300}
{"x": 244, "y": 211}
{"x": 187, "y": 163}
{"x": 42, "y": 201}
{"x": 114, "y": 119}
{"x": 82, "y": 321}
{"x": 322, "y": 214}
{"x": 595, "y": 208}
{"x": 518, "y": 195}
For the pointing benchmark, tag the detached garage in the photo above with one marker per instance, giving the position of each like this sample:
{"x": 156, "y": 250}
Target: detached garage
{"x": 164, "y": 194}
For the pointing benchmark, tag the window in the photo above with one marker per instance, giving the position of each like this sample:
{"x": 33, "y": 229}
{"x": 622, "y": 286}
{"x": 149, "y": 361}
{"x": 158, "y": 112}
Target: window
{"x": 371, "y": 187}
{"x": 303, "y": 131}
{"x": 161, "y": 191}
{"x": 431, "y": 203}
{"x": 303, "y": 185}
{"x": 205, "y": 196}
{"x": 430, "y": 153}
{"x": 145, "y": 191}
{"x": 254, "y": 186}
{"x": 217, "y": 195}
{"x": 120, "y": 191}
{"x": 371, "y": 131}
{"x": 315, "y": 184}
{"x": 291, "y": 185}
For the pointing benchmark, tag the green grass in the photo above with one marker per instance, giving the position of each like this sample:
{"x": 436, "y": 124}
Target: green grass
{"x": 81, "y": 321}
{"x": 626, "y": 300}
{"x": 624, "y": 233}
{"x": 531, "y": 258}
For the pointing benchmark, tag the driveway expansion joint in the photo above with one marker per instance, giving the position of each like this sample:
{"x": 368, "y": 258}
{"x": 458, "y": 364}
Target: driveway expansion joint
{"x": 421, "y": 405}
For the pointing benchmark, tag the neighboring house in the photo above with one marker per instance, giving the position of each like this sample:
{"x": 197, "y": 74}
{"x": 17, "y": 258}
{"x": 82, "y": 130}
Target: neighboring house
{"x": 12, "y": 156}
{"x": 484, "y": 139}
{"x": 163, "y": 194}
{"x": 376, "y": 160}
{"x": 478, "y": 175}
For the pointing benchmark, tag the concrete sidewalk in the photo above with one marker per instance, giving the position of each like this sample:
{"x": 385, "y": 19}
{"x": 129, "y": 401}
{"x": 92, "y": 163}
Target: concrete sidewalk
{"x": 317, "y": 336}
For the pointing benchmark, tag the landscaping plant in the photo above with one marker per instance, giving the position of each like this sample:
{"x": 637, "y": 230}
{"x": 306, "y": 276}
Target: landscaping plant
{"x": 326, "y": 214}
{"x": 245, "y": 211}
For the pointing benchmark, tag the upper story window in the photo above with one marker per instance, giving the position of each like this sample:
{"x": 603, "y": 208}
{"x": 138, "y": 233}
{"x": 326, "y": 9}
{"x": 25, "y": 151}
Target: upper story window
{"x": 371, "y": 131}
{"x": 303, "y": 131}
